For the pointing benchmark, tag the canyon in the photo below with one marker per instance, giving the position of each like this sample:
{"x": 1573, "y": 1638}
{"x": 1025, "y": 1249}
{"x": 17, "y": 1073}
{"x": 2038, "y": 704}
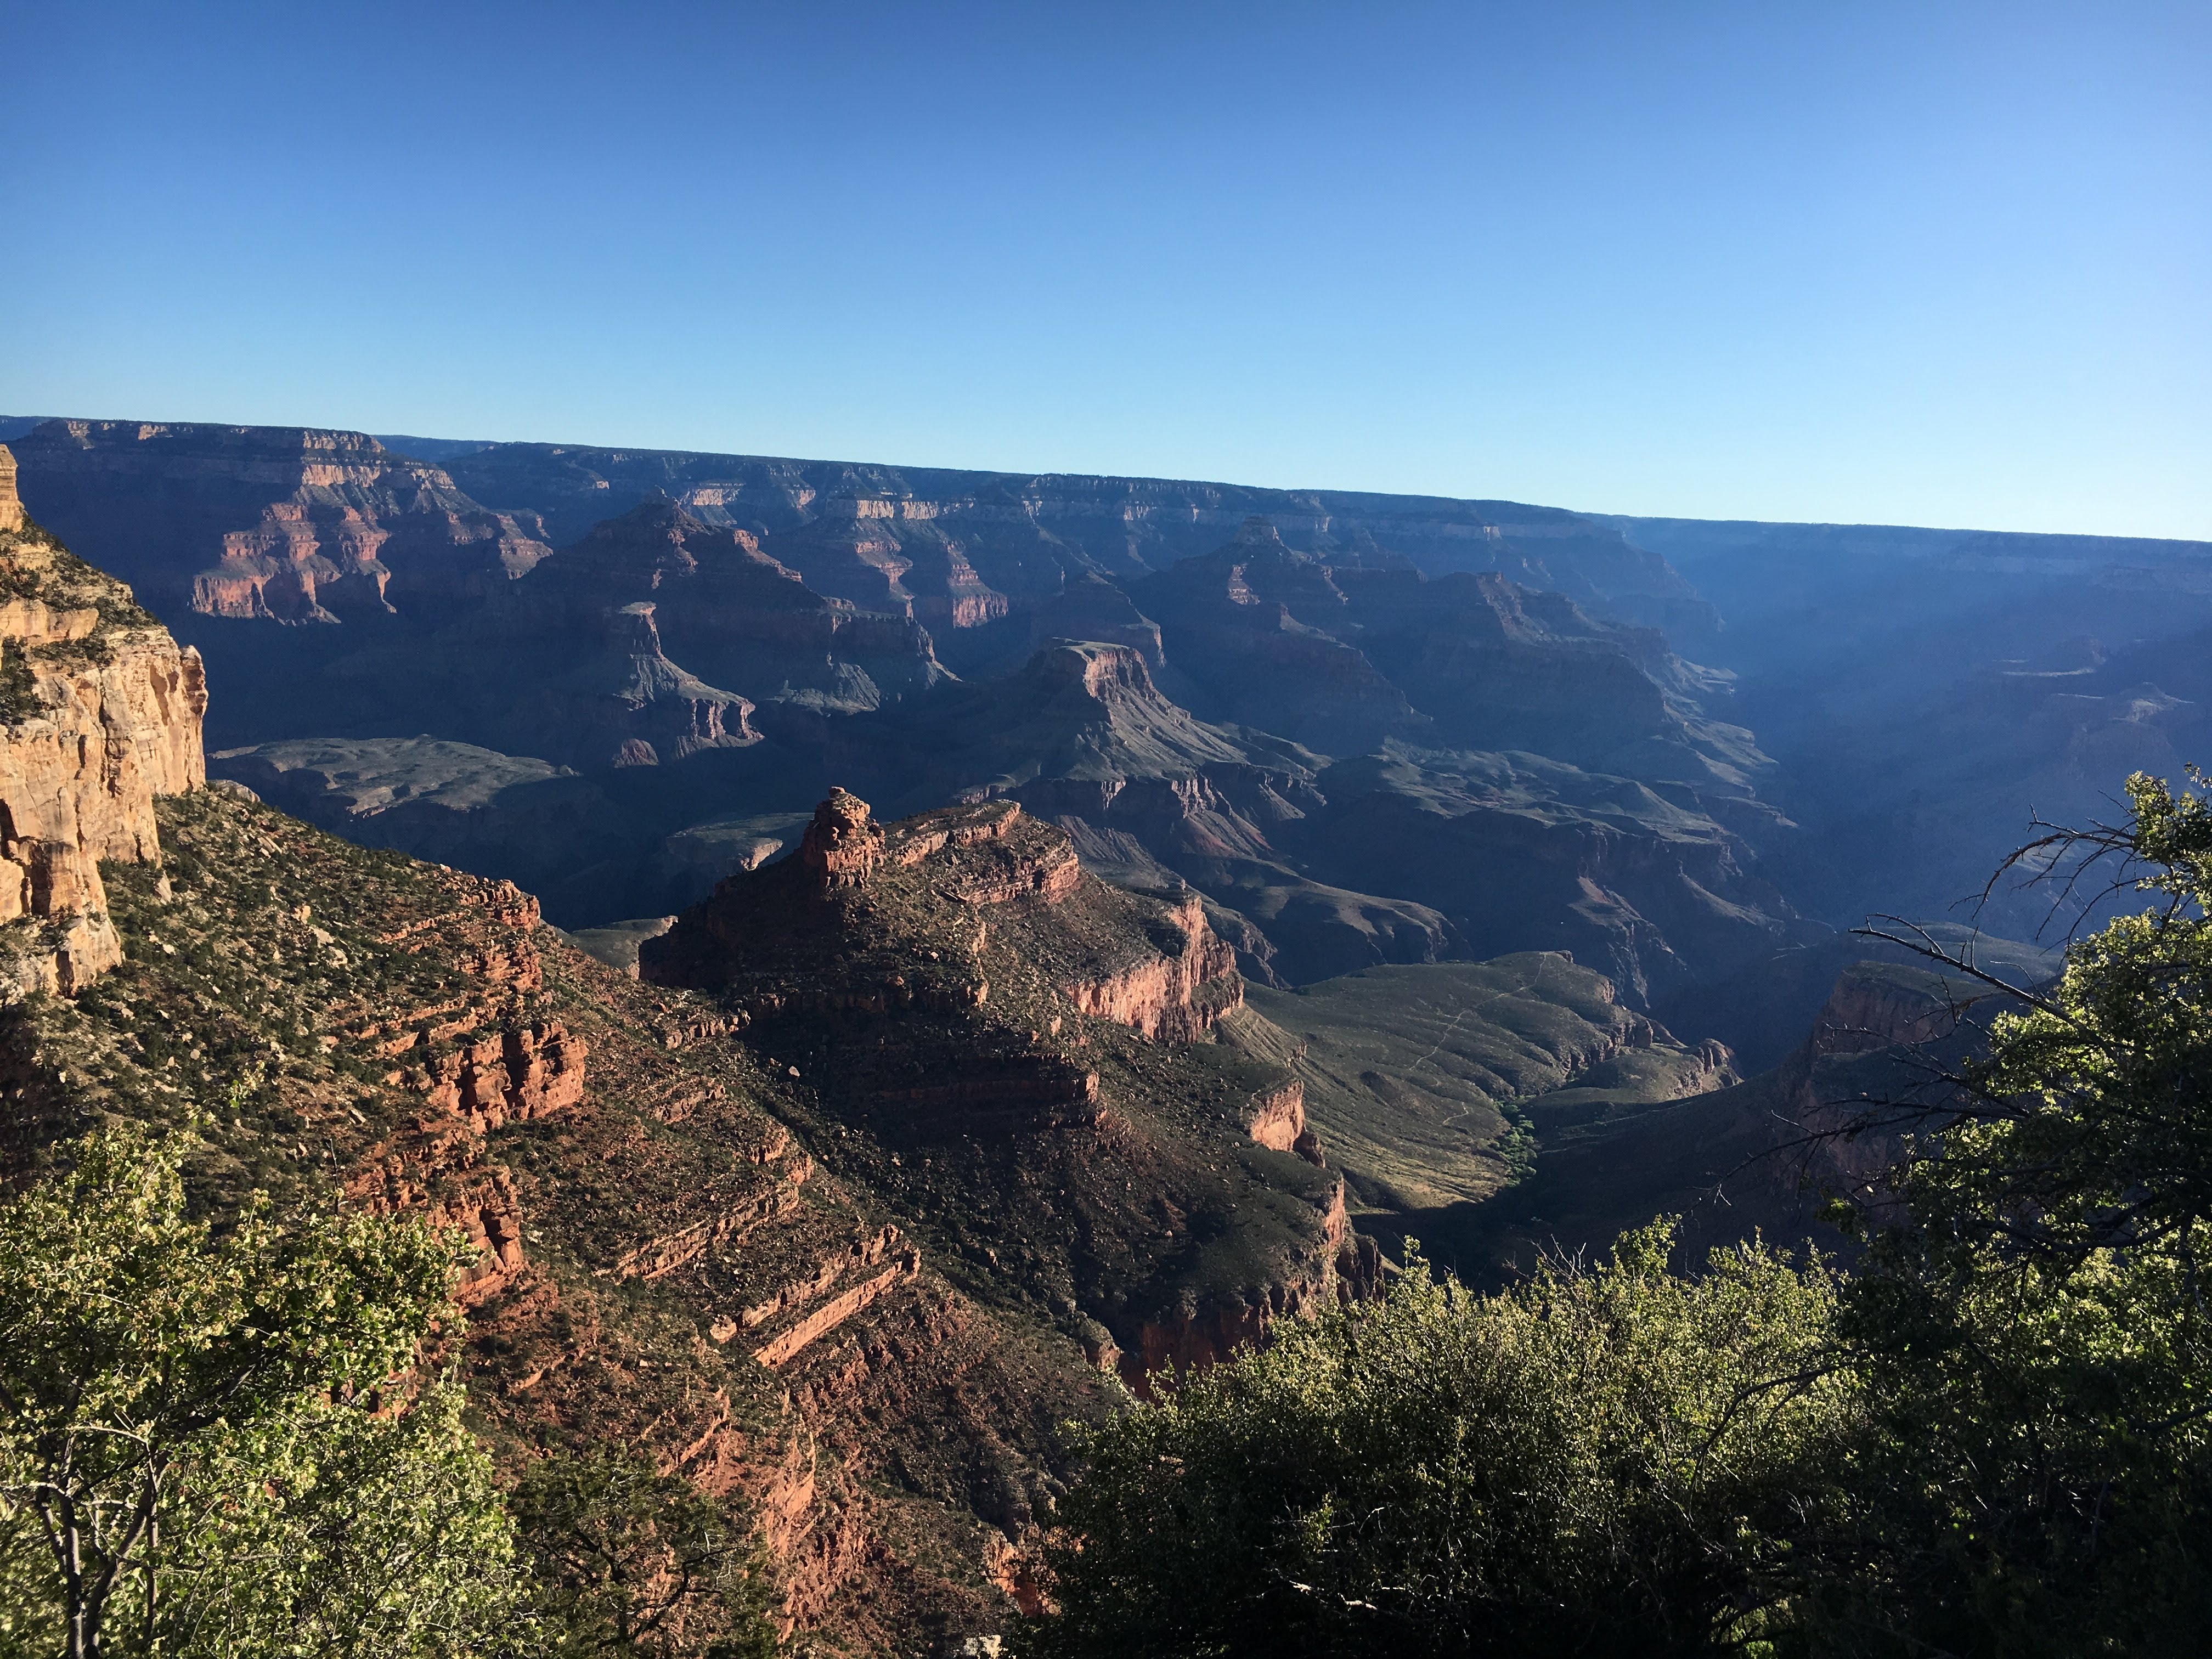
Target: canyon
{"x": 842, "y": 1294}
{"x": 706, "y": 640}
{"x": 878, "y": 964}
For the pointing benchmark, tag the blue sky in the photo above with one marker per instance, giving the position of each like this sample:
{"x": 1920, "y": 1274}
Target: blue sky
{"x": 1914, "y": 263}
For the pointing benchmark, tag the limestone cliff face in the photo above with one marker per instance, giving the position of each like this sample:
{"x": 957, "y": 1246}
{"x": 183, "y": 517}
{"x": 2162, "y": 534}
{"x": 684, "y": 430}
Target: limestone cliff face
{"x": 99, "y": 711}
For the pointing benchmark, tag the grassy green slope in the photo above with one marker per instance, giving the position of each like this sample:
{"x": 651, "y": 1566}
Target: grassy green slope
{"x": 1427, "y": 1082}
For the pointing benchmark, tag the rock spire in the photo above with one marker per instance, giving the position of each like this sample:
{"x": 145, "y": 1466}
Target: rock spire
{"x": 841, "y": 845}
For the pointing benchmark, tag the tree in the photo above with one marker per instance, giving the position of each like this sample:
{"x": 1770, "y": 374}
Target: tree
{"x": 189, "y": 1461}
{"x": 2030, "y": 1317}
{"x": 1603, "y": 1460}
{"x": 632, "y": 1561}
{"x": 1993, "y": 1438}
{"x": 327, "y": 1529}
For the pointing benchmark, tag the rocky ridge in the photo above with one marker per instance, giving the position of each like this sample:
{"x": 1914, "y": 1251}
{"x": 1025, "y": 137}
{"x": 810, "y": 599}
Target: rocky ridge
{"x": 681, "y": 1241}
{"x": 661, "y": 1259}
{"x": 1019, "y": 1052}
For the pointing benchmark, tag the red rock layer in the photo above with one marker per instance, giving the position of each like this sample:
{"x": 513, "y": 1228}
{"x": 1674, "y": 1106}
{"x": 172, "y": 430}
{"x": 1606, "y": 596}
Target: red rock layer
{"x": 1343, "y": 1265}
{"x": 1162, "y": 996}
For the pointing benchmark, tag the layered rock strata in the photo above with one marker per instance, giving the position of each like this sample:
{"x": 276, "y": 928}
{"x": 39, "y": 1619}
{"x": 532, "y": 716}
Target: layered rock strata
{"x": 1025, "y": 536}
{"x": 100, "y": 712}
{"x": 1181, "y": 662}
{"x": 279, "y": 524}
{"x": 1009, "y": 1046}
{"x": 409, "y": 1038}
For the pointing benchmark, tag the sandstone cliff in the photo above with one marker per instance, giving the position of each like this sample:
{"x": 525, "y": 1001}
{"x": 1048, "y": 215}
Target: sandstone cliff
{"x": 99, "y": 711}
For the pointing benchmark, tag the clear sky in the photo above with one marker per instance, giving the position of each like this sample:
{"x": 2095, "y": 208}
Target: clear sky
{"x": 1914, "y": 263}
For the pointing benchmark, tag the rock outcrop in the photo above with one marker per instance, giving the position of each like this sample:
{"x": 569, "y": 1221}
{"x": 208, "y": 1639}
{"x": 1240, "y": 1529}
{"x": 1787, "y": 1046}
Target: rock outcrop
{"x": 1005, "y": 1043}
{"x": 1277, "y": 1117}
{"x": 840, "y": 846}
{"x": 100, "y": 712}
{"x": 1170, "y": 997}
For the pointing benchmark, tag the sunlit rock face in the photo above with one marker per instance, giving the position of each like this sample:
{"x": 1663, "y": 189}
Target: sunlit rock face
{"x": 99, "y": 711}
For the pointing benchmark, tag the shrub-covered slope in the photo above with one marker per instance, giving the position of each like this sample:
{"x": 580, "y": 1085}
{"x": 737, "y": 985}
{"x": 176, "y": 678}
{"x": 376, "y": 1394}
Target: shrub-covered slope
{"x": 660, "y": 1262}
{"x": 756, "y": 1244}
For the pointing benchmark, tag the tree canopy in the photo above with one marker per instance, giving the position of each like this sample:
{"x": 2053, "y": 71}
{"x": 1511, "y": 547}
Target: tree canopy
{"x": 201, "y": 1451}
{"x": 1601, "y": 1461}
{"x": 1989, "y": 1438}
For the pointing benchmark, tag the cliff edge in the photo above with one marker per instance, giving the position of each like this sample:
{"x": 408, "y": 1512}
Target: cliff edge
{"x": 99, "y": 711}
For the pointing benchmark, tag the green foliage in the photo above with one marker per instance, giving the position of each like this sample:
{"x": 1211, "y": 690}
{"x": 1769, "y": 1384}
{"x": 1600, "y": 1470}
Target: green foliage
{"x": 19, "y": 689}
{"x": 188, "y": 1461}
{"x": 2033, "y": 1336}
{"x": 1993, "y": 1438}
{"x": 632, "y": 1561}
{"x": 1605, "y": 1460}
{"x": 327, "y": 1529}
{"x": 2171, "y": 831}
